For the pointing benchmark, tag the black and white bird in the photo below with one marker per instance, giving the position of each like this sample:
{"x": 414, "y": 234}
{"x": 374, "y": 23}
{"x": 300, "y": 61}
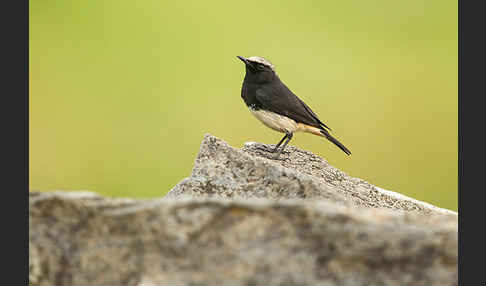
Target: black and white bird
{"x": 272, "y": 102}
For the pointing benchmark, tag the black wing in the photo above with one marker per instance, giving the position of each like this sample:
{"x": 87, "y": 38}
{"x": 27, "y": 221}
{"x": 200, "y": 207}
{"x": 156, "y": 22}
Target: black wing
{"x": 279, "y": 99}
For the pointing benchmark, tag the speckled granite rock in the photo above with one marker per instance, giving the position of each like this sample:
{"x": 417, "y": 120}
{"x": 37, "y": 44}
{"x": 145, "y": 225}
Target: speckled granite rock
{"x": 242, "y": 219}
{"x": 226, "y": 172}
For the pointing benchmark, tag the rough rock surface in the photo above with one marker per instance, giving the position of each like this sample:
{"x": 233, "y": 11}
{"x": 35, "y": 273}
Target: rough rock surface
{"x": 241, "y": 219}
{"x": 226, "y": 172}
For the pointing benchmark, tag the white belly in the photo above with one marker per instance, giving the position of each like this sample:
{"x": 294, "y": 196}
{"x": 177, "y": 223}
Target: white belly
{"x": 275, "y": 121}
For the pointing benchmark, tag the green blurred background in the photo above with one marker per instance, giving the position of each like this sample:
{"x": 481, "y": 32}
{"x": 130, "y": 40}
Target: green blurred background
{"x": 122, "y": 92}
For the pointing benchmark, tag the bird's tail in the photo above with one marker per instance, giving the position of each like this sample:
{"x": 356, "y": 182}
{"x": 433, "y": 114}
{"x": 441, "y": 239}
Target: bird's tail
{"x": 335, "y": 141}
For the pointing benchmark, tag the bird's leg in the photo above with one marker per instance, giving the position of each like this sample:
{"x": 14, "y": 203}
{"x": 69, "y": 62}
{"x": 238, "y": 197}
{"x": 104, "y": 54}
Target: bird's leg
{"x": 289, "y": 136}
{"x": 279, "y": 143}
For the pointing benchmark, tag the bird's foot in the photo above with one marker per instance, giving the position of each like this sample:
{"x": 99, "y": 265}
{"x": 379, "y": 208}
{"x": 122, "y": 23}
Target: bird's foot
{"x": 278, "y": 157}
{"x": 266, "y": 148}
{"x": 263, "y": 148}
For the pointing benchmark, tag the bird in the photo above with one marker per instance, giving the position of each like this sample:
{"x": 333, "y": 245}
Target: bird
{"x": 277, "y": 107}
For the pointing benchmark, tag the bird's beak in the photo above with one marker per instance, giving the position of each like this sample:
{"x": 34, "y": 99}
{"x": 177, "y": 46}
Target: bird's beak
{"x": 243, "y": 59}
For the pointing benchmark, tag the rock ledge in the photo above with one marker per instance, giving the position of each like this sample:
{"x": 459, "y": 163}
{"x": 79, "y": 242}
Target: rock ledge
{"x": 242, "y": 219}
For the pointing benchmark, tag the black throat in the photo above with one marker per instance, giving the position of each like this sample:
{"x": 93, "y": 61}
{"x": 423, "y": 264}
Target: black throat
{"x": 255, "y": 80}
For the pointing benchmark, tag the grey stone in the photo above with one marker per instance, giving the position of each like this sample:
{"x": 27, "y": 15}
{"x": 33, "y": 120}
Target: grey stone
{"x": 226, "y": 172}
{"x": 242, "y": 219}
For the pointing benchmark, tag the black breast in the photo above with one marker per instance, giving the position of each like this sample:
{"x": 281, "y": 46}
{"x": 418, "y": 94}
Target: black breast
{"x": 248, "y": 93}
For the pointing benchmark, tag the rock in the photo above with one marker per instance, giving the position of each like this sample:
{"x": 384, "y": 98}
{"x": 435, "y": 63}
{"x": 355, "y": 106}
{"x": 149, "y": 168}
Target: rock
{"x": 289, "y": 222}
{"x": 226, "y": 172}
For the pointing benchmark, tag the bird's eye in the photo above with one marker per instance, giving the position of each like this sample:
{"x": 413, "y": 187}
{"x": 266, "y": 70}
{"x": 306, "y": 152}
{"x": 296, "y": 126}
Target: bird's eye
{"x": 261, "y": 67}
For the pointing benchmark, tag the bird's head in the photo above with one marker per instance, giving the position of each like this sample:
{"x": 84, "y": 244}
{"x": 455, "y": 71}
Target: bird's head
{"x": 259, "y": 69}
